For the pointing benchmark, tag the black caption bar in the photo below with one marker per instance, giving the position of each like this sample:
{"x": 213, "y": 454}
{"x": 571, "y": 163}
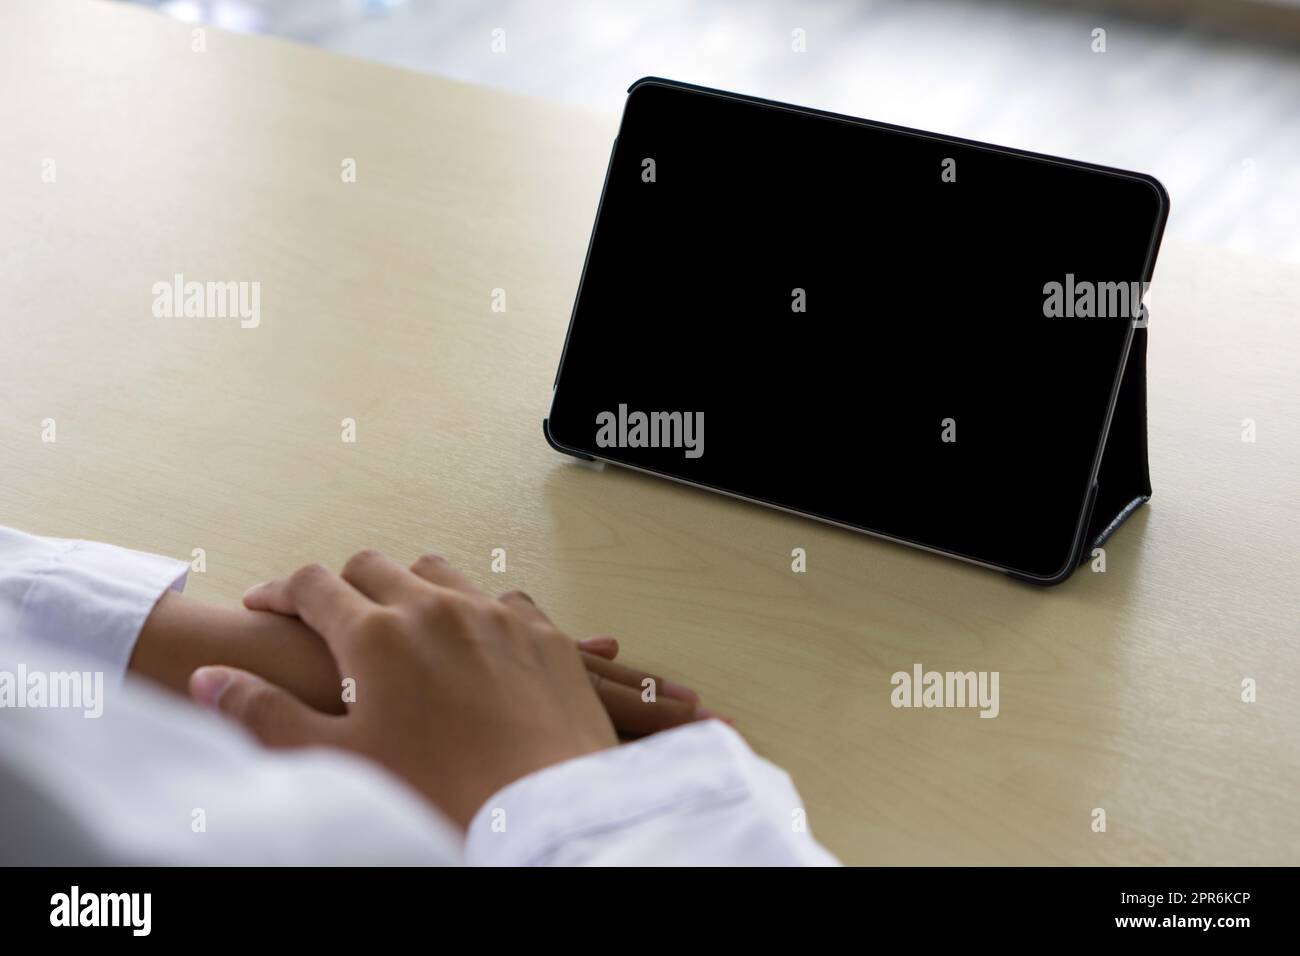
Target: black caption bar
{"x": 1174, "y": 906}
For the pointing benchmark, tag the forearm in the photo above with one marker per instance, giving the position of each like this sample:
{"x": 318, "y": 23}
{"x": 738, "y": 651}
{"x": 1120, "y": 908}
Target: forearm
{"x": 182, "y": 634}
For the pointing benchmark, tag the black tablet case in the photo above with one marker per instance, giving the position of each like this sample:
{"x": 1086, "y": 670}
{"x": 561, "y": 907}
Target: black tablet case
{"x": 1123, "y": 479}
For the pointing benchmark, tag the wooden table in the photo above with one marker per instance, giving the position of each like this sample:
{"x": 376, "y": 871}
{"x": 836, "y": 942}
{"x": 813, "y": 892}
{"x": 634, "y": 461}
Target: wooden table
{"x": 1119, "y": 691}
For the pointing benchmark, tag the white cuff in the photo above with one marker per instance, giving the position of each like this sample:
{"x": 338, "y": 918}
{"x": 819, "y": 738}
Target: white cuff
{"x": 696, "y": 795}
{"x": 83, "y": 596}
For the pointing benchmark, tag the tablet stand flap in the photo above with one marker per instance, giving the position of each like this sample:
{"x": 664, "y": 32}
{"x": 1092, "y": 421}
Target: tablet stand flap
{"x": 1124, "y": 478}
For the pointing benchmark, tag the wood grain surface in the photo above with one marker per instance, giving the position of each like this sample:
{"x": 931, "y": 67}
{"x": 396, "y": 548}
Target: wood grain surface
{"x": 1119, "y": 690}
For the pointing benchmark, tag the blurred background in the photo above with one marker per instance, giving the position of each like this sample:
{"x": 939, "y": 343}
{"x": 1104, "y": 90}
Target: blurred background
{"x": 1204, "y": 94}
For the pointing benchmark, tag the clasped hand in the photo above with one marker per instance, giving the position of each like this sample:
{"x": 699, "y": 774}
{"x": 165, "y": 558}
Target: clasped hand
{"x": 457, "y": 692}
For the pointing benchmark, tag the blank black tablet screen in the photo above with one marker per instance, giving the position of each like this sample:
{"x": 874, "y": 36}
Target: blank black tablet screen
{"x": 861, "y": 319}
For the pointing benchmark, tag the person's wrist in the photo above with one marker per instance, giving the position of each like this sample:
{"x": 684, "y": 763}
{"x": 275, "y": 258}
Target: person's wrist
{"x": 182, "y": 634}
{"x": 286, "y": 652}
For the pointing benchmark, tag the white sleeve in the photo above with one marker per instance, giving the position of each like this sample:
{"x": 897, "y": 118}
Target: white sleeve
{"x": 144, "y": 777}
{"x": 80, "y": 596}
{"x": 125, "y": 773}
{"x": 696, "y": 795}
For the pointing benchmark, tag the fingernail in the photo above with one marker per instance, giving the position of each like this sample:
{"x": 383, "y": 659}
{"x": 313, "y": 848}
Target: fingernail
{"x": 255, "y": 587}
{"x": 670, "y": 688}
{"x": 605, "y": 647}
{"x": 207, "y": 685}
{"x": 703, "y": 713}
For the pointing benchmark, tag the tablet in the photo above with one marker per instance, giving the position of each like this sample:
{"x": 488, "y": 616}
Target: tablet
{"x": 907, "y": 334}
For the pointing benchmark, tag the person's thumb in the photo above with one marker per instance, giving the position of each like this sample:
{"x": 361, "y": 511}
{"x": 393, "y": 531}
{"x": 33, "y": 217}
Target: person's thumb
{"x": 275, "y": 717}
